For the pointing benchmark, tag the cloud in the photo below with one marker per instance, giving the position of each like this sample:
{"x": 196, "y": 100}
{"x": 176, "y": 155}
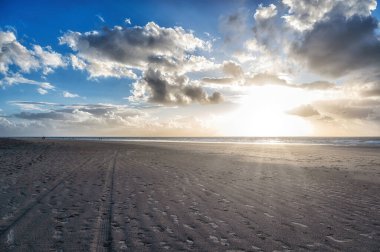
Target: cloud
{"x": 223, "y": 80}
{"x": 265, "y": 12}
{"x": 116, "y": 51}
{"x": 158, "y": 87}
{"x": 77, "y": 63}
{"x": 162, "y": 55}
{"x": 100, "y": 18}
{"x": 99, "y": 119}
{"x": 15, "y": 79}
{"x": 303, "y": 14}
{"x": 304, "y": 111}
{"x": 128, "y": 21}
{"x": 40, "y": 116}
{"x": 265, "y": 79}
{"x": 232, "y": 69}
{"x": 42, "y": 91}
{"x": 317, "y": 85}
{"x": 371, "y": 92}
{"x": 67, "y": 94}
{"x": 38, "y": 106}
{"x": 14, "y": 53}
{"x": 48, "y": 58}
{"x": 338, "y": 46}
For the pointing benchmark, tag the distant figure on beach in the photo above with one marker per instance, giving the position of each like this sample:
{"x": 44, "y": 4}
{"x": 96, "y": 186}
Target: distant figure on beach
{"x": 43, "y": 138}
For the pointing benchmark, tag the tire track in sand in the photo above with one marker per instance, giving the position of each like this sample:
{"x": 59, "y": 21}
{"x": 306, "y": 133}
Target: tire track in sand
{"x": 103, "y": 238}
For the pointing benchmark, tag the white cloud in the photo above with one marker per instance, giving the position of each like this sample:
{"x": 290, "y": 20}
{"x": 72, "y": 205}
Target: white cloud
{"x": 100, "y": 18}
{"x": 48, "y": 58}
{"x": 13, "y": 53}
{"x": 16, "y": 79}
{"x": 28, "y": 105}
{"x": 265, "y": 12}
{"x": 67, "y": 94}
{"x": 128, "y": 21}
{"x": 303, "y": 14}
{"x": 77, "y": 63}
{"x": 26, "y": 60}
{"x": 42, "y": 91}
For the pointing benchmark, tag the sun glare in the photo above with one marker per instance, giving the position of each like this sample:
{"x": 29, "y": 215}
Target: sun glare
{"x": 263, "y": 112}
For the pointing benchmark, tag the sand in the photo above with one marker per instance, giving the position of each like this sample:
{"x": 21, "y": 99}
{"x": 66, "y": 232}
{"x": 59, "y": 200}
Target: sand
{"x": 107, "y": 196}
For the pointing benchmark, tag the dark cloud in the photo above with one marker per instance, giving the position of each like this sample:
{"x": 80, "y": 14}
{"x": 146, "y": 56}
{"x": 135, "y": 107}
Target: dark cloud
{"x": 162, "y": 55}
{"x": 40, "y": 116}
{"x": 117, "y": 51}
{"x": 174, "y": 89}
{"x": 338, "y": 45}
{"x": 304, "y": 111}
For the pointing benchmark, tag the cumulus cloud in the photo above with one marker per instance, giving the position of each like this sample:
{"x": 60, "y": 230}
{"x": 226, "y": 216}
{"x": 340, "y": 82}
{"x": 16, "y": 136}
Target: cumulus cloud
{"x": 232, "y": 69}
{"x": 263, "y": 12}
{"x": 116, "y": 51}
{"x": 303, "y": 14}
{"x": 337, "y": 46}
{"x": 77, "y": 63}
{"x": 158, "y": 87}
{"x": 162, "y": 55}
{"x": 14, "y": 53}
{"x": 48, "y": 58}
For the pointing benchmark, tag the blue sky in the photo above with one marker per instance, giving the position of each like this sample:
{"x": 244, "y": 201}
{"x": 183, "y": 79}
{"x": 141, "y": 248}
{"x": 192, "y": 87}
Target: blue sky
{"x": 176, "y": 67}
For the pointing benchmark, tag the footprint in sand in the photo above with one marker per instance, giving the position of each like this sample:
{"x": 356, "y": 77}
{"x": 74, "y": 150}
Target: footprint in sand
{"x": 299, "y": 224}
{"x": 268, "y": 215}
{"x": 214, "y": 239}
{"x": 337, "y": 240}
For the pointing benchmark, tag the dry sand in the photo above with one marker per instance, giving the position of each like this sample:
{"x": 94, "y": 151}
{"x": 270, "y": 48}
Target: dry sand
{"x": 96, "y": 196}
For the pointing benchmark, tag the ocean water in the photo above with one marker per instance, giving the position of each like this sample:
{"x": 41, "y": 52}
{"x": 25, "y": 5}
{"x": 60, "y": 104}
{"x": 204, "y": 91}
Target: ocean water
{"x": 335, "y": 141}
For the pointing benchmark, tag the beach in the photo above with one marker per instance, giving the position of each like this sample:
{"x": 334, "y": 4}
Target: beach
{"x": 62, "y": 195}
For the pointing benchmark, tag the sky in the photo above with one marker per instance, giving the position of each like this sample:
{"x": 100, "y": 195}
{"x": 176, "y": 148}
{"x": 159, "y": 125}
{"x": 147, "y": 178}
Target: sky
{"x": 190, "y": 68}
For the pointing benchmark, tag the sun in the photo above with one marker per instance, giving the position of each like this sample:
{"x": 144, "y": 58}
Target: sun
{"x": 263, "y": 112}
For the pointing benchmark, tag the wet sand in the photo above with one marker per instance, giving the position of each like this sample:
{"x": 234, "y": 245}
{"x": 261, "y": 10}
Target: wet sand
{"x": 104, "y": 196}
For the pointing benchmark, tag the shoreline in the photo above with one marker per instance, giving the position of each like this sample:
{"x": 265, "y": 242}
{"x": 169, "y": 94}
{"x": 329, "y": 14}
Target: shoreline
{"x": 372, "y": 142}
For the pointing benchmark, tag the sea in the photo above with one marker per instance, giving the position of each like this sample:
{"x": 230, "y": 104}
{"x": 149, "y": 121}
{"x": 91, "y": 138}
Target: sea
{"x": 334, "y": 141}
